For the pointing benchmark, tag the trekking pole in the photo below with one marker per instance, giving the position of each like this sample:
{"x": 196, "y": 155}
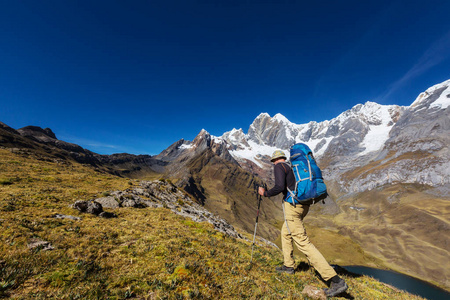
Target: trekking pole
{"x": 258, "y": 196}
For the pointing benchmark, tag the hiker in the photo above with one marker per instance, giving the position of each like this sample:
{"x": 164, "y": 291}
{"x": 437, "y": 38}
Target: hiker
{"x": 293, "y": 231}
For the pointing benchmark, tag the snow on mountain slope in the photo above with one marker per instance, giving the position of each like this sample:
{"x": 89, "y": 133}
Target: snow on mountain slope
{"x": 366, "y": 132}
{"x": 382, "y": 118}
{"x": 370, "y": 122}
{"x": 443, "y": 100}
{"x": 254, "y": 153}
{"x": 417, "y": 150}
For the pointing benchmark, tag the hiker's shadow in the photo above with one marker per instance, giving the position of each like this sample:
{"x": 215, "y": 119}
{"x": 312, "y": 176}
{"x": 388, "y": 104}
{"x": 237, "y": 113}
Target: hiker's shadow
{"x": 345, "y": 295}
{"x": 303, "y": 266}
{"x": 341, "y": 271}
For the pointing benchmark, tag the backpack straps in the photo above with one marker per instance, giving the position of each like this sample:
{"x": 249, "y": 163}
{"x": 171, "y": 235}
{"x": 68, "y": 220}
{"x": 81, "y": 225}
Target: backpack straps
{"x": 290, "y": 193}
{"x": 285, "y": 163}
{"x": 309, "y": 168}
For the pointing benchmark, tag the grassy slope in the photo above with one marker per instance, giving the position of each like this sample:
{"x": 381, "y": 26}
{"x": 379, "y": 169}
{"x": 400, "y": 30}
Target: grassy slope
{"x": 144, "y": 253}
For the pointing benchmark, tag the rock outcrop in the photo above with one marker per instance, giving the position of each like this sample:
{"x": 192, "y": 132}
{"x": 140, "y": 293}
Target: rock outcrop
{"x": 153, "y": 194}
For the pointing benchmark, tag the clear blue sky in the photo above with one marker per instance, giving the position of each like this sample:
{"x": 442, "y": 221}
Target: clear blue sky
{"x": 136, "y": 76}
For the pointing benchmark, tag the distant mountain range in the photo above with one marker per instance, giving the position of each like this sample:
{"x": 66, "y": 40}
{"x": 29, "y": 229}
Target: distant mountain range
{"x": 366, "y": 133}
{"x": 43, "y": 144}
{"x": 387, "y": 170}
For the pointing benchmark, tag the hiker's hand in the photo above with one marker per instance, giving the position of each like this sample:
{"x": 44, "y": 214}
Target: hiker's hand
{"x": 261, "y": 191}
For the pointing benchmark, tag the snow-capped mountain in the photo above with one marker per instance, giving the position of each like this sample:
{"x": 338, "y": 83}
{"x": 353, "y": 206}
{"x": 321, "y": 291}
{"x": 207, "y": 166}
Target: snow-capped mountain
{"x": 360, "y": 130}
{"x": 367, "y": 132}
{"x": 417, "y": 148}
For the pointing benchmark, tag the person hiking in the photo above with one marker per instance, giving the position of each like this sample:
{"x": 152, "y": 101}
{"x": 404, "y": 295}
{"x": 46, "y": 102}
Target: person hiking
{"x": 293, "y": 230}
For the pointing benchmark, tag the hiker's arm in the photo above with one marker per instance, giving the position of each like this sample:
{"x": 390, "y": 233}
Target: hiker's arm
{"x": 280, "y": 181}
{"x": 261, "y": 191}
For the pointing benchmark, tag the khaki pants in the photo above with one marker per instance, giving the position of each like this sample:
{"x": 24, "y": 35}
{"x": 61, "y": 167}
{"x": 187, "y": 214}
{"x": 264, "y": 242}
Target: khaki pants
{"x": 297, "y": 236}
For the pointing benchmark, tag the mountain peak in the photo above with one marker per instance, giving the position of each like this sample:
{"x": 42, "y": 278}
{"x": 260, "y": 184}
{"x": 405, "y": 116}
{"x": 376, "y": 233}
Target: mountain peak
{"x": 204, "y": 139}
{"x": 203, "y": 132}
{"x": 438, "y": 86}
{"x": 235, "y": 138}
{"x": 44, "y": 135}
{"x": 262, "y": 116}
{"x": 281, "y": 118}
{"x": 203, "y": 135}
{"x": 437, "y": 96}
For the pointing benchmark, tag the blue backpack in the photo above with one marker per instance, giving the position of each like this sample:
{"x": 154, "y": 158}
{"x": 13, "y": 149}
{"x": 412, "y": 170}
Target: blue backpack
{"x": 309, "y": 185}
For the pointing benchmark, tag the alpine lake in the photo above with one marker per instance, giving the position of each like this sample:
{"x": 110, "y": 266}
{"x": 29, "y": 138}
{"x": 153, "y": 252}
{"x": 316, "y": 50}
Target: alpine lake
{"x": 402, "y": 282}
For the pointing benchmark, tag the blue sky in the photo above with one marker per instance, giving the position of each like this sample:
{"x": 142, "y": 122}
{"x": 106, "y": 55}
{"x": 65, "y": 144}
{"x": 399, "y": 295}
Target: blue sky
{"x": 136, "y": 76}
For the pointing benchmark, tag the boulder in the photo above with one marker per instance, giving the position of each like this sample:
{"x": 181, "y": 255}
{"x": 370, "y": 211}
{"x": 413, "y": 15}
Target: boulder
{"x": 108, "y": 202}
{"x": 314, "y": 293}
{"x": 91, "y": 207}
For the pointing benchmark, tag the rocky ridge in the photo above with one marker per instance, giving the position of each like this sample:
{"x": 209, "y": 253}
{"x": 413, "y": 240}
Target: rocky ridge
{"x": 153, "y": 194}
{"x": 28, "y": 139}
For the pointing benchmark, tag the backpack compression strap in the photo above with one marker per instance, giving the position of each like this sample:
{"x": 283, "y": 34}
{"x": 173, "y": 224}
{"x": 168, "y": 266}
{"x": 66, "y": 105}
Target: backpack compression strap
{"x": 293, "y": 194}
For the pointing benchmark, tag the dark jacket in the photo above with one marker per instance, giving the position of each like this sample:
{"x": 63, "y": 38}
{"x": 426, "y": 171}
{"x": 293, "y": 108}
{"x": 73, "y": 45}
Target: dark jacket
{"x": 284, "y": 178}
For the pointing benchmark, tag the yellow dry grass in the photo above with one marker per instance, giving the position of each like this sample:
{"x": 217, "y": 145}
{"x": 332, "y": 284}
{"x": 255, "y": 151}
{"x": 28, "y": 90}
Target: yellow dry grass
{"x": 144, "y": 253}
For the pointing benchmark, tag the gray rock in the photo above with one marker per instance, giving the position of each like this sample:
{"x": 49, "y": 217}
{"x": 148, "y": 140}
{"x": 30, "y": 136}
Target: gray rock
{"x": 275, "y": 132}
{"x": 151, "y": 204}
{"x": 131, "y": 203}
{"x": 81, "y": 205}
{"x": 159, "y": 194}
{"x": 108, "y": 202}
{"x": 94, "y": 208}
{"x": 59, "y": 216}
{"x": 40, "y": 244}
{"x": 91, "y": 207}
{"x": 314, "y": 293}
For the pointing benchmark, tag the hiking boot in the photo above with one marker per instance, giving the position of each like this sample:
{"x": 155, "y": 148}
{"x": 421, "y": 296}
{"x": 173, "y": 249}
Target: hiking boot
{"x": 285, "y": 269}
{"x": 336, "y": 288}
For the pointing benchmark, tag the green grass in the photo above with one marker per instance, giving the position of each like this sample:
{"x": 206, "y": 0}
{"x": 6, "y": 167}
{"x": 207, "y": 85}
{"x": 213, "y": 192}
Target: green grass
{"x": 150, "y": 252}
{"x": 142, "y": 254}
